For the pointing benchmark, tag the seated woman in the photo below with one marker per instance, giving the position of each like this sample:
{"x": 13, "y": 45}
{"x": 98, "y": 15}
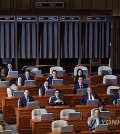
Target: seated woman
{"x": 58, "y": 99}
{"x": 44, "y": 88}
{"x": 79, "y": 74}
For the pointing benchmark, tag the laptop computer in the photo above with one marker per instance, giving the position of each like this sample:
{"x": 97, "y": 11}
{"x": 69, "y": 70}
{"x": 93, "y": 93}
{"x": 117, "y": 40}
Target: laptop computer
{"x": 29, "y": 82}
{"x": 4, "y": 83}
{"x": 82, "y": 91}
{"x": 18, "y": 94}
{"x": 118, "y": 102}
{"x": 13, "y": 74}
{"x": 33, "y": 104}
{"x": 114, "y": 91}
{"x": 92, "y": 102}
{"x": 85, "y": 72}
{"x": 101, "y": 127}
{"x": 47, "y": 116}
{"x": 106, "y": 72}
{"x": 57, "y": 81}
{"x": 61, "y": 72}
{"x": 74, "y": 115}
{"x": 38, "y": 72}
{"x": 49, "y": 92}
{"x": 104, "y": 114}
{"x": 6, "y": 132}
{"x": 68, "y": 128}
{"x": 87, "y": 81}
{"x": 111, "y": 81}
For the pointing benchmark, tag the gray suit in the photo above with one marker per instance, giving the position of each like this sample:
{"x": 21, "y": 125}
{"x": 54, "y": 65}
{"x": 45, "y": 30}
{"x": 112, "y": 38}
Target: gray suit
{"x": 93, "y": 121}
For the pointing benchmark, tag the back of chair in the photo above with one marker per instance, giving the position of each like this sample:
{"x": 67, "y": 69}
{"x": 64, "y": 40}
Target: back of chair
{"x": 57, "y": 68}
{"x": 110, "y": 88}
{"x": 104, "y": 68}
{"x": 79, "y": 67}
{"x": 9, "y": 92}
{"x": 19, "y": 81}
{"x": 65, "y": 112}
{"x": 110, "y": 79}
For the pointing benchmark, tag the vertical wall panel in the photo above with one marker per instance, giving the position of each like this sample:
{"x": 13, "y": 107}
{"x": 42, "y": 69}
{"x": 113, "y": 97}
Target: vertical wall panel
{"x": 87, "y": 4}
{"x": 115, "y": 7}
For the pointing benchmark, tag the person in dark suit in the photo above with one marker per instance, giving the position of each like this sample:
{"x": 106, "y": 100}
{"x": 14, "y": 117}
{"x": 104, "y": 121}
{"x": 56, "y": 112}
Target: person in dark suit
{"x": 54, "y": 76}
{"x": 26, "y": 76}
{"x": 89, "y": 96}
{"x": 79, "y": 85}
{"x": 26, "y": 98}
{"x": 58, "y": 99}
{"x": 44, "y": 88}
{"x": 95, "y": 120}
{"x": 9, "y": 68}
{"x": 79, "y": 74}
{"x": 114, "y": 98}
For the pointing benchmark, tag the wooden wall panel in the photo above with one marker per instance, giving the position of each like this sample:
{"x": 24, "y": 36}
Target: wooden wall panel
{"x": 109, "y": 4}
{"x": 77, "y": 4}
{"x": 101, "y": 4}
{"x": 6, "y": 4}
{"x": 87, "y": 4}
{"x": 115, "y": 7}
{"x": 22, "y": 4}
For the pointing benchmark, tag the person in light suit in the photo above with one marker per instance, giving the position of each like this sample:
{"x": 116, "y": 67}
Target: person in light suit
{"x": 26, "y": 76}
{"x": 89, "y": 96}
{"x": 58, "y": 99}
{"x": 26, "y": 98}
{"x": 95, "y": 120}
{"x": 79, "y": 85}
{"x": 114, "y": 98}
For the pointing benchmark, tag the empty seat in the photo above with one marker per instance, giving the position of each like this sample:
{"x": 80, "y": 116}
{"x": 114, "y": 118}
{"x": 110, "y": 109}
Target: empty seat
{"x": 65, "y": 113}
{"x": 104, "y": 70}
{"x": 109, "y": 79}
{"x": 111, "y": 88}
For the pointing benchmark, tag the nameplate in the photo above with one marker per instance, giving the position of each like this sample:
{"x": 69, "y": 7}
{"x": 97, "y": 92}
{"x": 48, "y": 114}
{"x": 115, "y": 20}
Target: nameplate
{"x": 26, "y": 18}
{"x": 49, "y": 4}
{"x": 69, "y": 18}
{"x": 96, "y": 18}
{"x": 7, "y": 18}
{"x": 48, "y": 18}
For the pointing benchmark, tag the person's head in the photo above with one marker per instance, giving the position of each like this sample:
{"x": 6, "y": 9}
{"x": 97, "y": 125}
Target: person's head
{"x": 79, "y": 72}
{"x": 26, "y": 92}
{"x": 13, "y": 81}
{"x": 9, "y": 65}
{"x": 46, "y": 84}
{"x": 80, "y": 80}
{"x": 96, "y": 112}
{"x": 57, "y": 92}
{"x": 27, "y": 73}
{"x": 54, "y": 73}
{"x": 89, "y": 90}
{"x": 101, "y": 106}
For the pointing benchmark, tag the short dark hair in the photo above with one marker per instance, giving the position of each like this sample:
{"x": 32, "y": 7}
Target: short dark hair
{"x": 27, "y": 70}
{"x": 13, "y": 81}
{"x": 58, "y": 90}
{"x": 95, "y": 110}
{"x": 54, "y": 71}
{"x": 26, "y": 89}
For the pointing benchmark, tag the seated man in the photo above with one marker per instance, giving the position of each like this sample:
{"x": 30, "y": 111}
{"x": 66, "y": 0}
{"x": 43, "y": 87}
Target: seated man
{"x": 26, "y": 98}
{"x": 114, "y": 98}
{"x": 89, "y": 96}
{"x": 54, "y": 76}
{"x": 79, "y": 85}
{"x": 9, "y": 68}
{"x": 95, "y": 120}
{"x": 44, "y": 88}
{"x": 26, "y": 76}
{"x": 58, "y": 99}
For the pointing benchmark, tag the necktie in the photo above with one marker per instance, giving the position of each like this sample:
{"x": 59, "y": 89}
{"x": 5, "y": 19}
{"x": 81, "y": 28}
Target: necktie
{"x": 90, "y": 96}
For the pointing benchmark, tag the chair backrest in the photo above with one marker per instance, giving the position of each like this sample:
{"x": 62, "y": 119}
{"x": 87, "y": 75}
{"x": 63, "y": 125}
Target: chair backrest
{"x": 110, "y": 79}
{"x": 34, "y": 69}
{"x": 104, "y": 69}
{"x": 80, "y": 67}
{"x": 57, "y": 68}
{"x": 37, "y": 112}
{"x": 111, "y": 88}
{"x": 19, "y": 81}
{"x": 56, "y": 125}
{"x": 9, "y": 92}
{"x": 65, "y": 113}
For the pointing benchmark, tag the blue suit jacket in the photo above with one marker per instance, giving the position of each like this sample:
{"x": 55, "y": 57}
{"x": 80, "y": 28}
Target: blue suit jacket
{"x": 76, "y": 87}
{"x": 2, "y": 78}
{"x": 83, "y": 100}
{"x": 23, "y": 101}
{"x": 114, "y": 98}
{"x": 23, "y": 78}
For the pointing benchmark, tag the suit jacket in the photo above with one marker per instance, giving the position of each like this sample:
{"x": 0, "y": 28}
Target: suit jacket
{"x": 76, "y": 78}
{"x": 114, "y": 98}
{"x": 50, "y": 80}
{"x": 2, "y": 78}
{"x": 83, "y": 100}
{"x": 23, "y": 101}
{"x": 23, "y": 78}
{"x": 53, "y": 99}
{"x": 42, "y": 90}
{"x": 6, "y": 70}
{"x": 92, "y": 122}
{"x": 76, "y": 87}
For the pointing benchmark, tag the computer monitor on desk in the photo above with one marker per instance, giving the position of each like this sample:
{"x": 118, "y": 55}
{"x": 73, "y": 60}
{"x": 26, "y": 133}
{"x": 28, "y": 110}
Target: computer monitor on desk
{"x": 93, "y": 102}
{"x": 29, "y": 82}
{"x": 4, "y": 83}
{"x": 57, "y": 82}
{"x": 13, "y": 74}
{"x": 33, "y": 104}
